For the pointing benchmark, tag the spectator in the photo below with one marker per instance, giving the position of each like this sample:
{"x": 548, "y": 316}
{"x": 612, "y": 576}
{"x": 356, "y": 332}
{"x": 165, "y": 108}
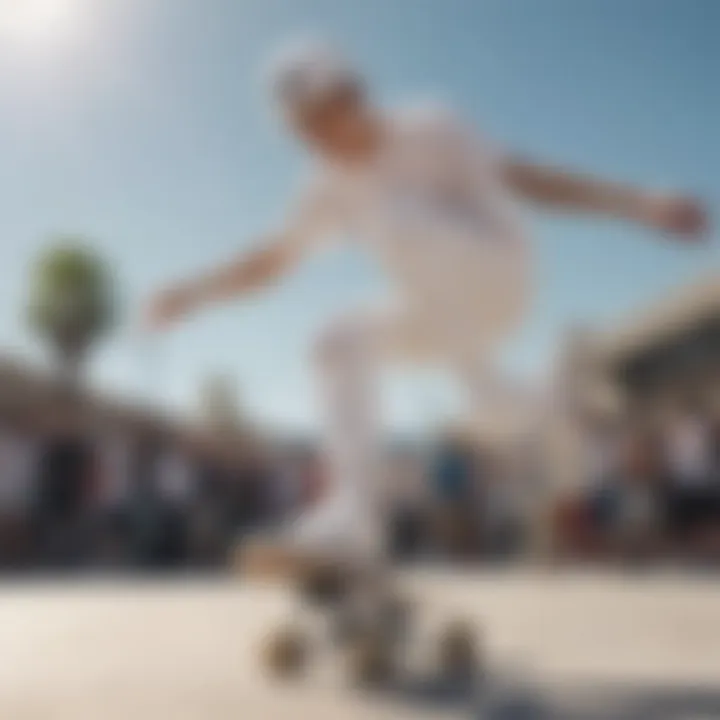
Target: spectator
{"x": 176, "y": 485}
{"x": 251, "y": 495}
{"x": 406, "y": 504}
{"x": 502, "y": 512}
{"x": 287, "y": 485}
{"x": 604, "y": 446}
{"x": 691, "y": 498}
{"x": 18, "y": 457}
{"x": 63, "y": 478}
{"x": 146, "y": 516}
{"x": 210, "y": 529}
{"x": 638, "y": 512}
{"x": 114, "y": 468}
{"x": 455, "y": 504}
{"x": 314, "y": 478}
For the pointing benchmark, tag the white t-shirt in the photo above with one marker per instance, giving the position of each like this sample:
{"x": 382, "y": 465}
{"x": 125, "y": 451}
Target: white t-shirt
{"x": 431, "y": 207}
{"x": 689, "y": 451}
{"x": 602, "y": 458}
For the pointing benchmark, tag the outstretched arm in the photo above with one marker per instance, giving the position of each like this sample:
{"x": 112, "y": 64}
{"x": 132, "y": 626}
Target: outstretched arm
{"x": 568, "y": 191}
{"x": 275, "y": 256}
{"x": 251, "y": 271}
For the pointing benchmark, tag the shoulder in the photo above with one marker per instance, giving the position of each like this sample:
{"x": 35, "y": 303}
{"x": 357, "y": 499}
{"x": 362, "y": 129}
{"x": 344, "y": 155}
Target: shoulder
{"x": 428, "y": 119}
{"x": 445, "y": 131}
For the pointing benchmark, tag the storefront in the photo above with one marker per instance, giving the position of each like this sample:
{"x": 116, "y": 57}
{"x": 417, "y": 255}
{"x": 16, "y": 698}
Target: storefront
{"x": 668, "y": 356}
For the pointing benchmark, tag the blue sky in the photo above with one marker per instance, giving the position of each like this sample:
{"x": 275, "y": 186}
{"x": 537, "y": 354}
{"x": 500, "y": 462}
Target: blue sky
{"x": 143, "y": 124}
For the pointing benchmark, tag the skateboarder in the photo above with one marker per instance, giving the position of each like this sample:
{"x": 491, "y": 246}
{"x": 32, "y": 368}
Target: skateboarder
{"x": 435, "y": 203}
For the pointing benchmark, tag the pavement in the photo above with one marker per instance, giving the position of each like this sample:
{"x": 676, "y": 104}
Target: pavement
{"x": 571, "y": 646}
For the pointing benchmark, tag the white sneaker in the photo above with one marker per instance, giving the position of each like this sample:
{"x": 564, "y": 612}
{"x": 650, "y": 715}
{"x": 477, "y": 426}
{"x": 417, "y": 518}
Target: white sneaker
{"x": 338, "y": 527}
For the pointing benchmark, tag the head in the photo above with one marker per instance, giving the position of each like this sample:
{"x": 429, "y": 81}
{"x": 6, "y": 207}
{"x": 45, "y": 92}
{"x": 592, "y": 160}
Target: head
{"x": 324, "y": 102}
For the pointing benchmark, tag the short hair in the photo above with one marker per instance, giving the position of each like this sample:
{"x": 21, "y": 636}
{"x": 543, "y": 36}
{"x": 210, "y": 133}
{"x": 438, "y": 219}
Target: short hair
{"x": 303, "y": 75}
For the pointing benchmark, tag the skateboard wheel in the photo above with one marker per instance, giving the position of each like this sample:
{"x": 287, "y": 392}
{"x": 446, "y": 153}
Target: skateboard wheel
{"x": 323, "y": 586}
{"x": 286, "y": 653}
{"x": 397, "y": 616}
{"x": 347, "y": 628}
{"x": 371, "y": 662}
{"x": 458, "y": 650}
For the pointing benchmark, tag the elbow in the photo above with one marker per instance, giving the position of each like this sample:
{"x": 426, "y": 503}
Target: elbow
{"x": 525, "y": 181}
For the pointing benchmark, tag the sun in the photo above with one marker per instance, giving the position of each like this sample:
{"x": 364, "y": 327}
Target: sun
{"x": 38, "y": 21}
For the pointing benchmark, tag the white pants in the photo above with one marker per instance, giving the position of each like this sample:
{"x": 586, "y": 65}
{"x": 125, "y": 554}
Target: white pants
{"x": 460, "y": 328}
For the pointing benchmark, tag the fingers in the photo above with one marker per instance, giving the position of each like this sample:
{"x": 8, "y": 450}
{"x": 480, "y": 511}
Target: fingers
{"x": 688, "y": 218}
{"x": 685, "y": 218}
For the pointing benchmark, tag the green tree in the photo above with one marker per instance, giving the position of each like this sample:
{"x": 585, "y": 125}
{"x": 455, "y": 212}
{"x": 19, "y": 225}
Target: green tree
{"x": 71, "y": 302}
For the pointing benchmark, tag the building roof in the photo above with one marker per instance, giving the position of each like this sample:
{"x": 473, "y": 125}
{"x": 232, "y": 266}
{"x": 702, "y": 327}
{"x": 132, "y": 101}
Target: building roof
{"x": 676, "y": 311}
{"x": 41, "y": 400}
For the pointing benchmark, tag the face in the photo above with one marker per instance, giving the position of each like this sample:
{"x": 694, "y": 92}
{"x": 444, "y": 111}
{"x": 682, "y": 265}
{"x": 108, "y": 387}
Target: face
{"x": 338, "y": 127}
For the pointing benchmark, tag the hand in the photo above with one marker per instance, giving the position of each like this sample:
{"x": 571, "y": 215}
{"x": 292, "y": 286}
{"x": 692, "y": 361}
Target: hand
{"x": 674, "y": 214}
{"x": 169, "y": 306}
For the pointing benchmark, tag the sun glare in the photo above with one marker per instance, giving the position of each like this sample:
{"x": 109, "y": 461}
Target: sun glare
{"x": 38, "y": 21}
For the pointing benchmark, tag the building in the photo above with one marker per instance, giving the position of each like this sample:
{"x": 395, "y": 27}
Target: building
{"x": 660, "y": 359}
{"x": 37, "y": 402}
{"x": 669, "y": 353}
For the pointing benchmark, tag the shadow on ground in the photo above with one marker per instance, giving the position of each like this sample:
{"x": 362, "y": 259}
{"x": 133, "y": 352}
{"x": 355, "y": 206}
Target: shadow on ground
{"x": 513, "y": 697}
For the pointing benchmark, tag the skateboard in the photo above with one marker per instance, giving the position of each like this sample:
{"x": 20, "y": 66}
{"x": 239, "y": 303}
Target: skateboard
{"x": 370, "y": 628}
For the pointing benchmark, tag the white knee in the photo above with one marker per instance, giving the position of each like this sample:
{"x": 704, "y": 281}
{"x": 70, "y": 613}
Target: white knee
{"x": 345, "y": 341}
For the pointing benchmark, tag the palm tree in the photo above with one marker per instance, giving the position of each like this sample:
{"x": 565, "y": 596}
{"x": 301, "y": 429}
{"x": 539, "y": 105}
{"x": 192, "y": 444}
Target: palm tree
{"x": 72, "y": 302}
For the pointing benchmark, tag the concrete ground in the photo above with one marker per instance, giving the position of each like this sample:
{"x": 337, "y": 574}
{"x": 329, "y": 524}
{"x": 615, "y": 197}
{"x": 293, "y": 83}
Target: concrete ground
{"x": 560, "y": 646}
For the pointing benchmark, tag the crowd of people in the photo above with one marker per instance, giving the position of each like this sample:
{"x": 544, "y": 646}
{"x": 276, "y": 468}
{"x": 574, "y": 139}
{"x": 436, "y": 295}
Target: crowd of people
{"x": 157, "y": 501}
{"x": 649, "y": 492}
{"x": 77, "y": 501}
{"x": 456, "y": 501}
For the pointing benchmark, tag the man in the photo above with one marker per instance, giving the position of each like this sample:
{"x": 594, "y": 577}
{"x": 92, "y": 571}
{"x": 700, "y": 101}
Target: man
{"x": 455, "y": 478}
{"x": 113, "y": 470}
{"x": 18, "y": 460}
{"x": 426, "y": 196}
{"x": 691, "y": 495}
